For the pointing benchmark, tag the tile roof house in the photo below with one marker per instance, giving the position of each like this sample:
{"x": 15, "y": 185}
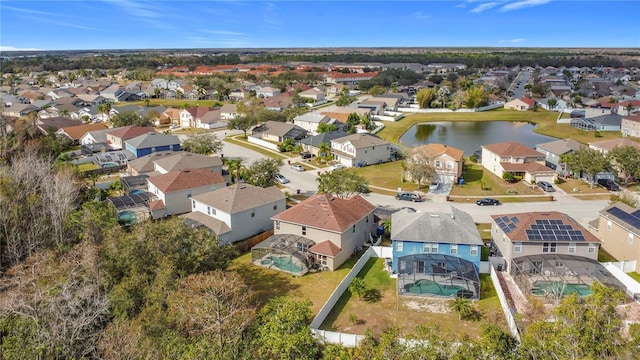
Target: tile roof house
{"x": 445, "y": 241}
{"x": 515, "y": 158}
{"x": 534, "y": 233}
{"x": 176, "y": 188}
{"x": 151, "y": 142}
{"x": 236, "y": 212}
{"x": 170, "y": 116}
{"x": 605, "y": 146}
{"x": 53, "y": 124}
{"x": 189, "y": 117}
{"x": 117, "y": 136}
{"x": 360, "y": 150}
{"x": 554, "y": 150}
{"x": 618, "y": 227}
{"x": 76, "y": 132}
{"x": 447, "y": 161}
{"x": 521, "y": 104}
{"x": 337, "y": 227}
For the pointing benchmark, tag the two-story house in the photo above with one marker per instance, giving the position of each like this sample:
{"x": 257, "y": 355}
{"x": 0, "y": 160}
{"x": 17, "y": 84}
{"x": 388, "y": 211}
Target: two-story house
{"x": 176, "y": 188}
{"x": 322, "y": 231}
{"x": 360, "y": 150}
{"x": 267, "y": 91}
{"x": 278, "y": 131}
{"x": 447, "y": 161}
{"x": 436, "y": 253}
{"x": 311, "y": 121}
{"x": 236, "y": 212}
{"x": 618, "y": 227}
{"x": 630, "y": 126}
{"x": 116, "y": 137}
{"x": 190, "y": 117}
{"x": 515, "y": 158}
{"x": 75, "y": 133}
{"x": 554, "y": 150}
{"x": 151, "y": 142}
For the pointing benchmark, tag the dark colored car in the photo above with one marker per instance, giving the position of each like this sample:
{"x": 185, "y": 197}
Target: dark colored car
{"x": 408, "y": 196}
{"x": 546, "y": 186}
{"x": 608, "y": 184}
{"x": 306, "y": 155}
{"x": 487, "y": 201}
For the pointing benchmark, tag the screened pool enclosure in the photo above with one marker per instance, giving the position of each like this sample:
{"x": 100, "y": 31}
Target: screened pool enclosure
{"x": 285, "y": 252}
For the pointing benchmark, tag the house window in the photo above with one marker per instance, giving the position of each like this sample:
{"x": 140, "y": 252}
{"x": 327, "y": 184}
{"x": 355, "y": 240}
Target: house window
{"x": 430, "y": 248}
{"x": 399, "y": 245}
{"x": 253, "y": 213}
{"x": 189, "y": 196}
{"x": 473, "y": 251}
{"x": 608, "y": 225}
{"x": 353, "y": 229}
{"x": 517, "y": 248}
{"x": 193, "y": 204}
{"x": 208, "y": 210}
{"x": 322, "y": 259}
{"x": 420, "y": 267}
{"x": 304, "y": 230}
{"x": 367, "y": 219}
{"x": 592, "y": 249}
{"x": 449, "y": 164}
{"x": 630, "y": 238}
{"x": 275, "y": 207}
{"x": 403, "y": 266}
{"x": 549, "y": 247}
{"x": 277, "y": 224}
{"x": 438, "y": 163}
{"x": 536, "y": 267}
{"x": 559, "y": 264}
{"x": 572, "y": 248}
{"x": 453, "y": 250}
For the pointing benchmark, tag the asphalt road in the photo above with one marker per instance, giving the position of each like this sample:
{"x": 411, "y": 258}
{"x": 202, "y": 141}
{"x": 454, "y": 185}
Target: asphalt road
{"x": 582, "y": 211}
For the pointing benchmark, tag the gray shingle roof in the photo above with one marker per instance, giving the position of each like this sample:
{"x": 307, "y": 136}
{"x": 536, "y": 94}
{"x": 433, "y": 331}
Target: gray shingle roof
{"x": 153, "y": 139}
{"x": 240, "y": 197}
{"x": 562, "y": 146}
{"x": 447, "y": 226}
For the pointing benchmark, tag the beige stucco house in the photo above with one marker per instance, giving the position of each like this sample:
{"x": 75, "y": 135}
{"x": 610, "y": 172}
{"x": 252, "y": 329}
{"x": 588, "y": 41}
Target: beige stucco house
{"x": 447, "y": 161}
{"x": 618, "y": 227}
{"x": 631, "y": 126}
{"x": 517, "y": 159}
{"x": 520, "y": 104}
{"x": 360, "y": 150}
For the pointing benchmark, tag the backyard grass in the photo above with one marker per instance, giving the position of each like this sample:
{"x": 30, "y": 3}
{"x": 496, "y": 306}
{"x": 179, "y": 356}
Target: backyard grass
{"x": 239, "y": 140}
{"x": 268, "y": 283}
{"x": 480, "y": 183}
{"x": 355, "y": 316}
{"x": 635, "y": 276}
{"x": 87, "y": 166}
{"x": 578, "y": 186}
{"x": 387, "y": 175}
{"x": 604, "y": 256}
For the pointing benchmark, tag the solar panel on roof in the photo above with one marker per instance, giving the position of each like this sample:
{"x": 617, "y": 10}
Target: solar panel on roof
{"x": 632, "y": 219}
{"x": 515, "y": 220}
{"x": 504, "y": 218}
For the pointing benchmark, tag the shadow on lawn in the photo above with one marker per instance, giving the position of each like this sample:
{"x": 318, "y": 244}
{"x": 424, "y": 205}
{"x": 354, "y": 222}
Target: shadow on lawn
{"x": 266, "y": 283}
{"x": 471, "y": 175}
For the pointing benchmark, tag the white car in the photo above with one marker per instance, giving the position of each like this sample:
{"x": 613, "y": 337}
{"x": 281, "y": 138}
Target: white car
{"x": 281, "y": 179}
{"x": 297, "y": 167}
{"x": 336, "y": 167}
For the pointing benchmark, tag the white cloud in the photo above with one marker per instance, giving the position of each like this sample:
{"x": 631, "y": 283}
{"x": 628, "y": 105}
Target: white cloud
{"x": 224, "y": 32}
{"x": 13, "y": 48}
{"x": 270, "y": 14}
{"x": 512, "y": 41}
{"x": 138, "y": 9}
{"x": 419, "y": 15}
{"x": 486, "y": 6}
{"x": 462, "y": 5}
{"x": 523, "y": 4}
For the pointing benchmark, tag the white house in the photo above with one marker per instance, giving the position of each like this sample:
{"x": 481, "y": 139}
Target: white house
{"x": 236, "y": 212}
{"x": 360, "y": 150}
{"x": 310, "y": 121}
{"x": 515, "y": 158}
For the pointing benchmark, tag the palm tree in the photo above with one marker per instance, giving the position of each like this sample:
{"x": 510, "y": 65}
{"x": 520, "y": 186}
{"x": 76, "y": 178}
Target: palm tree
{"x": 358, "y": 287}
{"x": 64, "y": 112}
{"x": 462, "y": 306}
{"x": 105, "y": 109}
{"x": 234, "y": 166}
{"x": 324, "y": 152}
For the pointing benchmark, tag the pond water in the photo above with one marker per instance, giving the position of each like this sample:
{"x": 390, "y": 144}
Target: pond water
{"x": 470, "y": 135}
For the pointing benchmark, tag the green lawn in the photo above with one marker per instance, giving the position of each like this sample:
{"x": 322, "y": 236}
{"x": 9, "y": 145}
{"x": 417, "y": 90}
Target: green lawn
{"x": 407, "y": 312}
{"x": 387, "y": 175}
{"x": 239, "y": 140}
{"x": 604, "y": 256}
{"x": 480, "y": 183}
{"x": 634, "y": 275}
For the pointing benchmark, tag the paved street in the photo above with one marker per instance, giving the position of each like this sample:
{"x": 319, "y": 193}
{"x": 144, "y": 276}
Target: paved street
{"x": 582, "y": 211}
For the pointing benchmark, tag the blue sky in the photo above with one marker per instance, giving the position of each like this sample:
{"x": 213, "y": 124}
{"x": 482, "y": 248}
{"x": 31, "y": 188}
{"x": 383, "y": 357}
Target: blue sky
{"x": 140, "y": 24}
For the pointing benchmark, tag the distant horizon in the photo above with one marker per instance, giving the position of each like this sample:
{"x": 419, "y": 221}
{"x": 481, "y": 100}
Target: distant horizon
{"x": 40, "y": 26}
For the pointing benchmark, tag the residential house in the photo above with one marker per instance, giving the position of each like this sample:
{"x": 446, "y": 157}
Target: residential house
{"x": 314, "y": 95}
{"x": 278, "y": 102}
{"x": 360, "y": 150}
{"x": 53, "y": 124}
{"x": 116, "y": 137}
{"x": 267, "y": 91}
{"x": 170, "y": 116}
{"x": 630, "y": 126}
{"x": 605, "y": 146}
{"x": 190, "y": 117}
{"x": 228, "y": 111}
{"x": 278, "y": 131}
{"x": 236, "y": 212}
{"x": 336, "y": 90}
{"x": 152, "y": 142}
{"x": 520, "y": 104}
{"x": 19, "y": 110}
{"x": 600, "y": 108}
{"x": 337, "y": 228}
{"x": 210, "y": 120}
{"x": 559, "y": 104}
{"x": 75, "y": 133}
{"x": 447, "y": 161}
{"x": 178, "y": 160}
{"x": 92, "y": 99}
{"x": 517, "y": 159}
{"x": 628, "y": 107}
{"x": 442, "y": 247}
{"x": 311, "y": 144}
{"x": 618, "y": 227}
{"x": 554, "y": 150}
{"x": 311, "y": 121}
{"x": 176, "y": 188}
{"x": 539, "y": 233}
{"x": 96, "y": 137}
{"x": 351, "y": 78}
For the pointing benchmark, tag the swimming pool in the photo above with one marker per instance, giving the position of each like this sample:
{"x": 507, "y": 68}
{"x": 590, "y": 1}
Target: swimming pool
{"x": 543, "y": 287}
{"x": 433, "y": 288}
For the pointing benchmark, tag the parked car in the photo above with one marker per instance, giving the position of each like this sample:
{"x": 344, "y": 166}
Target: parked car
{"x": 487, "y": 201}
{"x": 608, "y": 184}
{"x": 297, "y": 167}
{"x": 546, "y": 186}
{"x": 336, "y": 167}
{"x": 306, "y": 155}
{"x": 409, "y": 196}
{"x": 434, "y": 185}
{"x": 281, "y": 179}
